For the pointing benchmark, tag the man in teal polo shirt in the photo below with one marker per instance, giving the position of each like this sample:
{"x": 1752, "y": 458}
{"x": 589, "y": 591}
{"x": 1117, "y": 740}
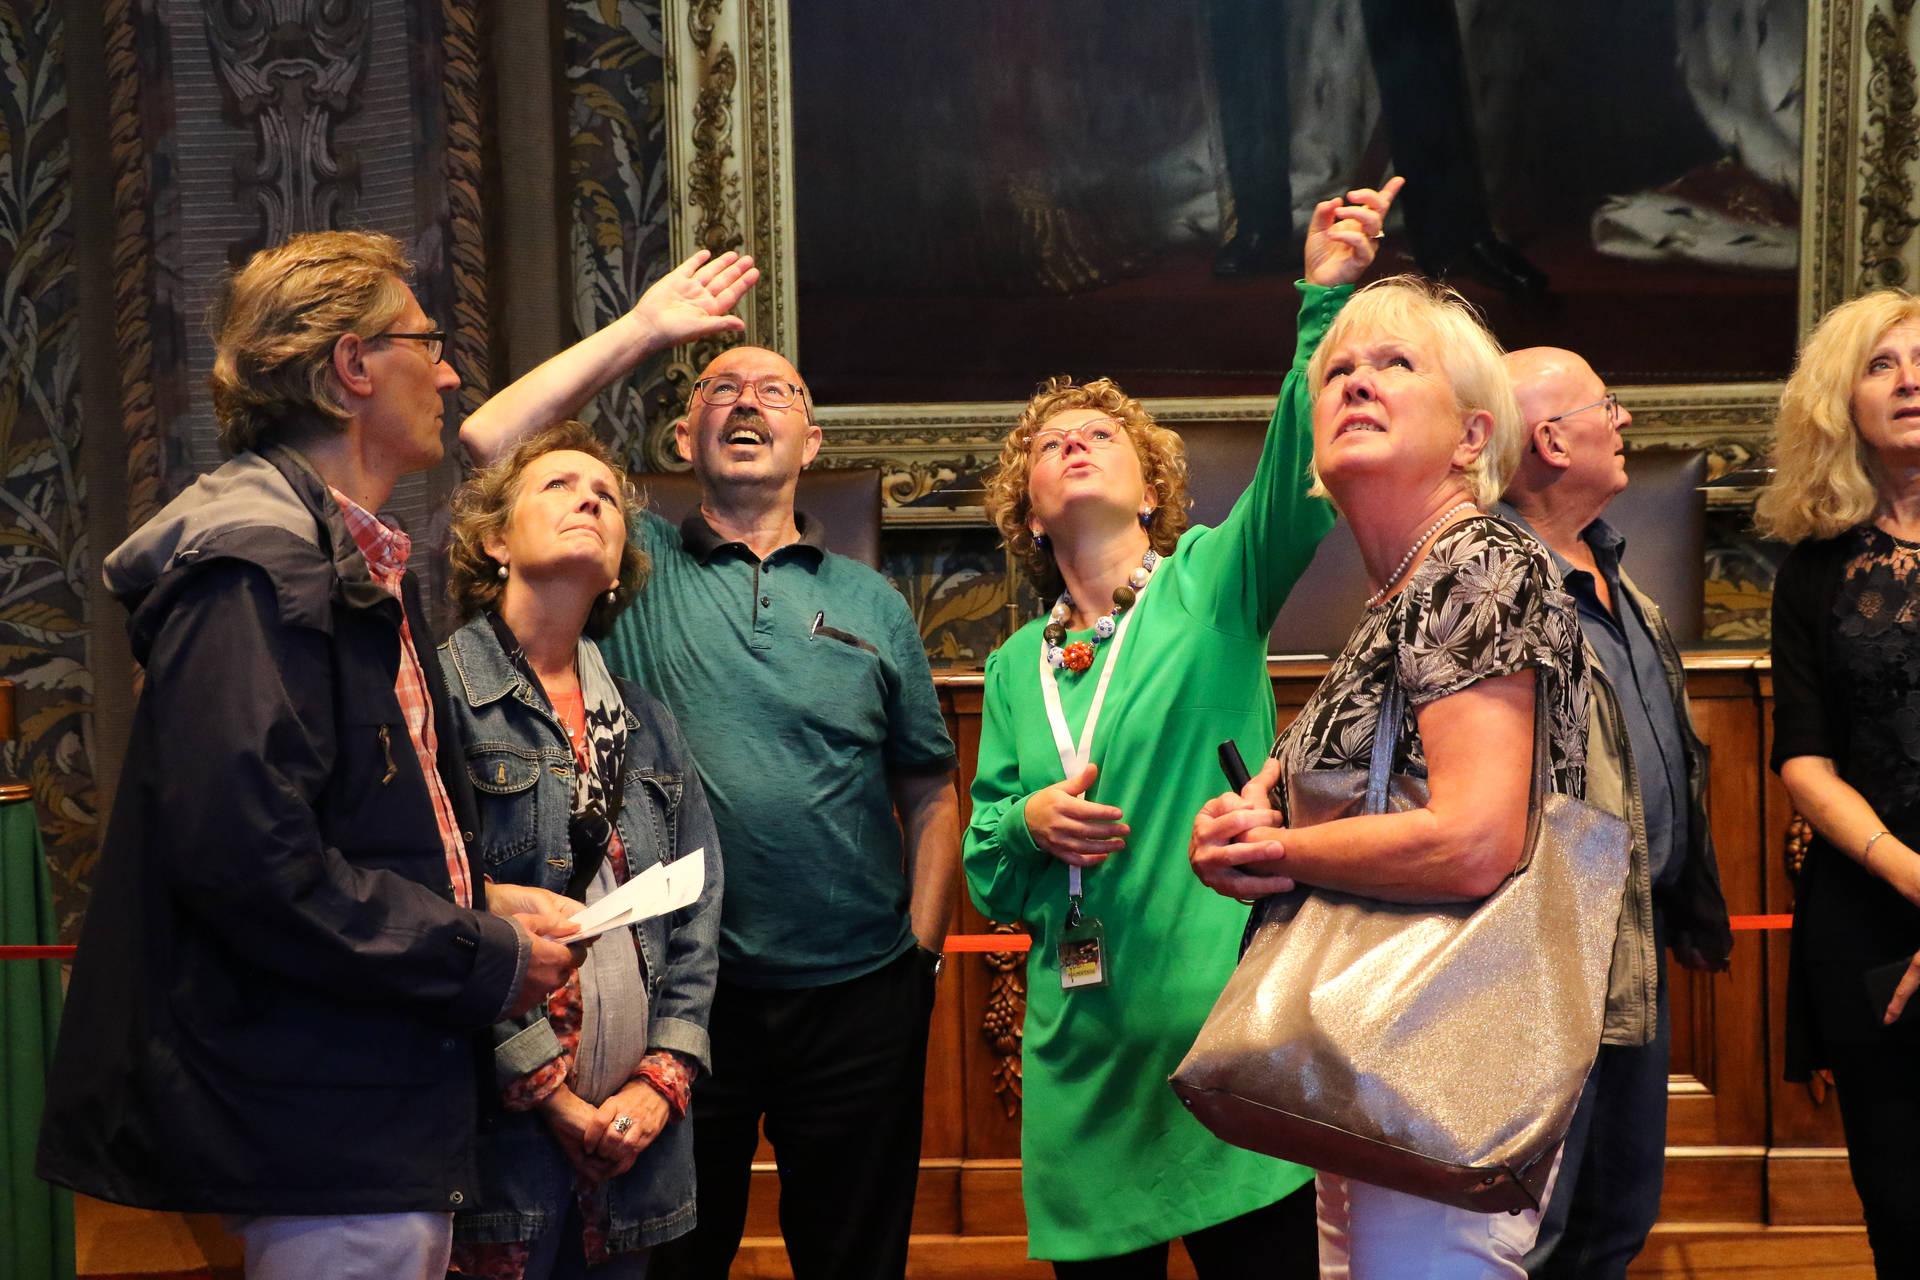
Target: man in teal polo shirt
{"x": 800, "y": 681}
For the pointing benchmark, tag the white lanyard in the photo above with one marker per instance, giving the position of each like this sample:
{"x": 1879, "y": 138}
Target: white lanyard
{"x": 1074, "y": 757}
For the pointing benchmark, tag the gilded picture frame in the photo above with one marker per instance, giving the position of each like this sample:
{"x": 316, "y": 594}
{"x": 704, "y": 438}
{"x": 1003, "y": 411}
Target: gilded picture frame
{"x": 728, "y": 99}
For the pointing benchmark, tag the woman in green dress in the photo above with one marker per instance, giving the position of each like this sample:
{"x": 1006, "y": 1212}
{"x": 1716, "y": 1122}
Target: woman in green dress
{"x": 1097, "y": 747}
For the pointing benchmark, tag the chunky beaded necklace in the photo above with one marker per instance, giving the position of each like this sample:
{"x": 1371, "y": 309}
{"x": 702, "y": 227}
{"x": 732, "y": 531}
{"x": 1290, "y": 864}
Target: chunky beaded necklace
{"x": 1078, "y": 656}
{"x": 1414, "y": 550}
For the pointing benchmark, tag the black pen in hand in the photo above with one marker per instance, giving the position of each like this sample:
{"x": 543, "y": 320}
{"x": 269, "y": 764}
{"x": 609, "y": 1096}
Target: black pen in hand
{"x": 1234, "y": 767}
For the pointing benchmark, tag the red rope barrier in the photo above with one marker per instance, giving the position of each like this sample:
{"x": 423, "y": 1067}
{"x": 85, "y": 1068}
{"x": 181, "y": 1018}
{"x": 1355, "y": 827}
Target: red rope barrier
{"x": 988, "y": 942}
{"x": 1021, "y": 942}
{"x": 1762, "y": 922}
{"x": 955, "y": 942}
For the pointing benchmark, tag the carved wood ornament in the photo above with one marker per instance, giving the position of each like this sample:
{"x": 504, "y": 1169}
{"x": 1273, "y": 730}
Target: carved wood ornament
{"x": 290, "y": 69}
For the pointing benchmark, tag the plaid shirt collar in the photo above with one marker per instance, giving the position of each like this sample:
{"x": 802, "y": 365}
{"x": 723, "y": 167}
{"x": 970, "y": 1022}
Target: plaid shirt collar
{"x": 386, "y": 548}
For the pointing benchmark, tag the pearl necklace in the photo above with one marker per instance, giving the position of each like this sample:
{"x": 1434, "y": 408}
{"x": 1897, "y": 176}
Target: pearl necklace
{"x": 1393, "y": 579}
{"x": 1078, "y": 656}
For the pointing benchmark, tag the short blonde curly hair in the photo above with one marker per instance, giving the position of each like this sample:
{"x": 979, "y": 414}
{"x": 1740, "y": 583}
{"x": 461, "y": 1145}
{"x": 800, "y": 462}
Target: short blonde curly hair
{"x": 276, "y": 325}
{"x": 483, "y": 506}
{"x": 1163, "y": 461}
{"x": 1826, "y": 477}
{"x": 1471, "y": 357}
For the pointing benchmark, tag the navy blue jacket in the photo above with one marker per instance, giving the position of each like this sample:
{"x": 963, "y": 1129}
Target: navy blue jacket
{"x": 276, "y": 1004}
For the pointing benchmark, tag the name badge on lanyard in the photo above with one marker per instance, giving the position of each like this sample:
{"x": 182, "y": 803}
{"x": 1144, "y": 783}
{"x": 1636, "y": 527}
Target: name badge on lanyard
{"x": 1082, "y": 946}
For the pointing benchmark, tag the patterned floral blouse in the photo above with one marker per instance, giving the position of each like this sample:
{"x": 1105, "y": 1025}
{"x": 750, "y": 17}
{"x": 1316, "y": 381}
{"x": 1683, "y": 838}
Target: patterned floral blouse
{"x": 1485, "y": 602}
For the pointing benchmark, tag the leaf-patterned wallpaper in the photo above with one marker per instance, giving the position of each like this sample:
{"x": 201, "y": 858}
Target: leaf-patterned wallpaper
{"x": 44, "y": 558}
{"x": 617, "y": 189}
{"x": 955, "y": 581}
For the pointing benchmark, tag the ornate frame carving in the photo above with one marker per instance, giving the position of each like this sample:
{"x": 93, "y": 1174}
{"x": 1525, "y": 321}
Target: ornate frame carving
{"x": 132, "y": 265}
{"x": 461, "y": 56}
{"x": 731, "y": 118}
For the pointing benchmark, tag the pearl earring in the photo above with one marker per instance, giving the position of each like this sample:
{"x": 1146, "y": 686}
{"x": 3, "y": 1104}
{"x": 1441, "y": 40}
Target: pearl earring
{"x": 612, "y": 593}
{"x": 501, "y": 573}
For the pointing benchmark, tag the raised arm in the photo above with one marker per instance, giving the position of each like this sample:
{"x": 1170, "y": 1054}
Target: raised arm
{"x": 1343, "y": 237}
{"x": 1244, "y": 569}
{"x": 690, "y": 302}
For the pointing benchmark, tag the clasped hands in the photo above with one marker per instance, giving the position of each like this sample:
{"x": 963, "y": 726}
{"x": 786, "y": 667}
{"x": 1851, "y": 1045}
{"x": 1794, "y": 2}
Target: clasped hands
{"x": 591, "y": 1138}
{"x": 1237, "y": 838}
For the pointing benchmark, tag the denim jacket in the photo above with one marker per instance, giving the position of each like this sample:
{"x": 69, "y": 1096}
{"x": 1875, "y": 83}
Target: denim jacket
{"x": 522, "y": 770}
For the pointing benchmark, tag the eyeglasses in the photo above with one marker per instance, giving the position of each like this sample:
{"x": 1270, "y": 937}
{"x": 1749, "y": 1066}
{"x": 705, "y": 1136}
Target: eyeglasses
{"x": 435, "y": 342}
{"x": 772, "y": 393}
{"x": 1611, "y": 401}
{"x": 1098, "y": 434}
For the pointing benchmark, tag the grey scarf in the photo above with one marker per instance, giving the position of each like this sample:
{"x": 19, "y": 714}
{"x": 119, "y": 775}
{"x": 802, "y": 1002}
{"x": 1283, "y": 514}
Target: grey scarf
{"x": 613, "y": 988}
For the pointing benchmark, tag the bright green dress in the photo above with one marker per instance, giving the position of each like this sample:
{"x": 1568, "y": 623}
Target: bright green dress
{"x": 1110, "y": 1160}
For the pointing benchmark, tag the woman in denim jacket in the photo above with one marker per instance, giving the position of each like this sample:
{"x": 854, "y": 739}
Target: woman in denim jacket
{"x": 585, "y": 1162}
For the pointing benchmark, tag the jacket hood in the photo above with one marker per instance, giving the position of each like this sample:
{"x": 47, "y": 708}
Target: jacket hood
{"x": 268, "y": 510}
{"x": 247, "y": 492}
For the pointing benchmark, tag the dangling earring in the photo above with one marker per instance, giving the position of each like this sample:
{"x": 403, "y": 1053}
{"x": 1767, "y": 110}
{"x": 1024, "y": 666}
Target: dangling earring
{"x": 501, "y": 573}
{"x": 1146, "y": 518}
{"x": 612, "y": 592}
{"x": 1040, "y": 541}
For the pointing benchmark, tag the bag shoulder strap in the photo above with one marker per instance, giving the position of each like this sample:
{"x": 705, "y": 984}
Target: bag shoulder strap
{"x": 1393, "y": 708}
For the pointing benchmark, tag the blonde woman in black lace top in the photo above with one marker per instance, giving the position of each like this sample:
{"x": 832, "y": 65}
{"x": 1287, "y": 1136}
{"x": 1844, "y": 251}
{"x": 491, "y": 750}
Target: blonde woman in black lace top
{"x": 1846, "y": 724}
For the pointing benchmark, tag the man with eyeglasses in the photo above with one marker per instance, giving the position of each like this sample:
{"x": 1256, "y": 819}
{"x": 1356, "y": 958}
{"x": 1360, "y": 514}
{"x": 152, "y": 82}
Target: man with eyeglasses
{"x": 1645, "y": 763}
{"x": 801, "y": 682}
{"x": 288, "y": 957}
{"x": 280, "y": 1002}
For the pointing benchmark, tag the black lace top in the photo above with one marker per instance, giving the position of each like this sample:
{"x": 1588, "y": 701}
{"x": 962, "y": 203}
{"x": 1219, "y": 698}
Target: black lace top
{"x": 1846, "y": 684}
{"x": 1876, "y": 620}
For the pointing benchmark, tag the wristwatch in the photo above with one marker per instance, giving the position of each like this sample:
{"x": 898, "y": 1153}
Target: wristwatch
{"x": 939, "y": 961}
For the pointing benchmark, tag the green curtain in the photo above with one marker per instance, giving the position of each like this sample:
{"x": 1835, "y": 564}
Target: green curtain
{"x": 36, "y": 1219}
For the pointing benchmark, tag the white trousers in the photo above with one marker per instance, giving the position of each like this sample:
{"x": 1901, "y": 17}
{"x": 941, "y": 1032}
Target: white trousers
{"x": 352, "y": 1246}
{"x": 1370, "y": 1233}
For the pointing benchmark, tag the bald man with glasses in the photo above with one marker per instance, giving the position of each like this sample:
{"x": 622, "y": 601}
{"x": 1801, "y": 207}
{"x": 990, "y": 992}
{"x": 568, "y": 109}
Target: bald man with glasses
{"x": 1645, "y": 763}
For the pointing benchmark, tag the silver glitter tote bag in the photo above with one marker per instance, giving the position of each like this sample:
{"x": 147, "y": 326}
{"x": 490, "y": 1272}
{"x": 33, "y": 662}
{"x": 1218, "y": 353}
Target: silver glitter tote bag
{"x": 1435, "y": 1049}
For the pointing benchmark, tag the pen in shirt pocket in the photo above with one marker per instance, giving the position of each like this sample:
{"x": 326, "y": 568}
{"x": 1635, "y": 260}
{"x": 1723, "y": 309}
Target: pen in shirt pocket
{"x": 820, "y": 628}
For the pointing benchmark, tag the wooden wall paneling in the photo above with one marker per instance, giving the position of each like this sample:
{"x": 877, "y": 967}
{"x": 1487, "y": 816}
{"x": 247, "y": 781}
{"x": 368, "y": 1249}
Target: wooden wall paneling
{"x": 1742, "y": 1147}
{"x": 1762, "y": 1253}
{"x": 988, "y": 1192}
{"x": 936, "y": 1209}
{"x": 1717, "y": 1092}
{"x": 1715, "y": 1184}
{"x": 1807, "y": 1179}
